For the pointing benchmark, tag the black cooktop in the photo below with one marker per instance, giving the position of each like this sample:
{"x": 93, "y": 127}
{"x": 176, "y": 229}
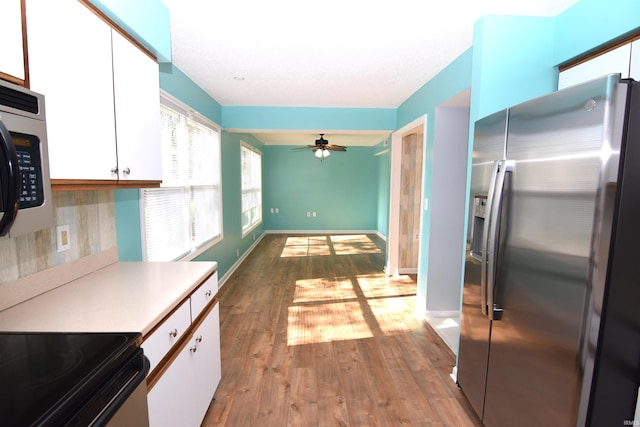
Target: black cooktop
{"x": 44, "y": 377}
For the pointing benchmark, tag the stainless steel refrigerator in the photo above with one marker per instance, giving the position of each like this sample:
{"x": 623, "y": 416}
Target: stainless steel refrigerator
{"x": 550, "y": 328}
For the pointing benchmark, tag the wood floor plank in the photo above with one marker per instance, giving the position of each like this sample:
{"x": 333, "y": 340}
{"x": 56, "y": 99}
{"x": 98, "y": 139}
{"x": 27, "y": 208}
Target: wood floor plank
{"x": 313, "y": 333}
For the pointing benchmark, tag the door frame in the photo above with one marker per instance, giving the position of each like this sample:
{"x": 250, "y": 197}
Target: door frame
{"x": 393, "y": 238}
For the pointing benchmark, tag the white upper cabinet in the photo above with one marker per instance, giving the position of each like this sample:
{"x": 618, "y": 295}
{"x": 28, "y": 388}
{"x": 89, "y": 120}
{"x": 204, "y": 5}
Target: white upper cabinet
{"x": 12, "y": 58}
{"x": 70, "y": 64}
{"x": 136, "y": 87}
{"x": 634, "y": 69}
{"x": 614, "y": 61}
{"x": 101, "y": 95}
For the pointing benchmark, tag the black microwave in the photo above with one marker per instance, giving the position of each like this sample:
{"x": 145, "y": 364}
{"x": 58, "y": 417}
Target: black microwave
{"x": 26, "y": 203}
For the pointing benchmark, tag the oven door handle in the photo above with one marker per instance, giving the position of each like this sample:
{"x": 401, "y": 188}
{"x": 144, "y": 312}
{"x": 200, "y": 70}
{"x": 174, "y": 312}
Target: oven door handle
{"x": 10, "y": 179}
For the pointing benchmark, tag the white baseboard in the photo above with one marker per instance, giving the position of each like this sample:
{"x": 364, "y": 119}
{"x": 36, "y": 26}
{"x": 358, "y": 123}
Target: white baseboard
{"x": 223, "y": 279}
{"x": 321, "y": 232}
{"x": 439, "y": 314}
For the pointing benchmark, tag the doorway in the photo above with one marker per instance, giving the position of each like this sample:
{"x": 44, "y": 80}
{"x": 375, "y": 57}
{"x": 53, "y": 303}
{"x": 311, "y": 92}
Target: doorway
{"x": 406, "y": 189}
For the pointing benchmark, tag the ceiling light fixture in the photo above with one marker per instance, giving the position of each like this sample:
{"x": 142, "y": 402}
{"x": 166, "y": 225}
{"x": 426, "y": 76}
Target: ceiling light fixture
{"x": 322, "y": 153}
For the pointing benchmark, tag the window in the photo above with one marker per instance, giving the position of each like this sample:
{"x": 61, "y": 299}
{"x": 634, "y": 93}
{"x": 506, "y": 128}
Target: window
{"x": 251, "y": 169}
{"x": 185, "y": 213}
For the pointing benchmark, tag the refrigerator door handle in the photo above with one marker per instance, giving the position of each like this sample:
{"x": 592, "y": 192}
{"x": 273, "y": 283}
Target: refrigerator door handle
{"x": 487, "y": 228}
{"x": 503, "y": 166}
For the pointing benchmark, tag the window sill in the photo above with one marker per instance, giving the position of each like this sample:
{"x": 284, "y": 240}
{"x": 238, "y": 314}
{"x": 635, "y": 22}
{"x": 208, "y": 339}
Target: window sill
{"x": 200, "y": 249}
{"x": 250, "y": 229}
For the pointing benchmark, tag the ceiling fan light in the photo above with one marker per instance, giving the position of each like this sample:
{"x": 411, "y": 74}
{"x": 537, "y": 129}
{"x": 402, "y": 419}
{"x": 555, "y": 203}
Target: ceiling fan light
{"x": 318, "y": 154}
{"x": 326, "y": 153}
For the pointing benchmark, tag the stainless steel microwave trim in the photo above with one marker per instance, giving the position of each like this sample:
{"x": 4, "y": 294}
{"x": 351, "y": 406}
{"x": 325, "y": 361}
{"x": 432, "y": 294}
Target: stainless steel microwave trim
{"x": 22, "y": 111}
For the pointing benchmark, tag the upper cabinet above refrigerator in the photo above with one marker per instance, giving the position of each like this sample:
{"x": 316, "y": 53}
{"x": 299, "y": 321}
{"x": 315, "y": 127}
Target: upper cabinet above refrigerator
{"x": 623, "y": 60}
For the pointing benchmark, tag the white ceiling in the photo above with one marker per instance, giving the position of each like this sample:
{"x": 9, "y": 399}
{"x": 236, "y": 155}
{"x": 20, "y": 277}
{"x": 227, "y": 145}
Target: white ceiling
{"x": 330, "y": 53}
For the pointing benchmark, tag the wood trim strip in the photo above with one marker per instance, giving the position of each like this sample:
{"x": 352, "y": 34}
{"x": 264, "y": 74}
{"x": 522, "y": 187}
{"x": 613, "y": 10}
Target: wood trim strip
{"x": 12, "y": 79}
{"x": 25, "y": 44}
{"x": 98, "y": 184}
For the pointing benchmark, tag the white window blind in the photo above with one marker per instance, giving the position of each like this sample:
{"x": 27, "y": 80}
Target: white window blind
{"x": 186, "y": 211}
{"x": 251, "y": 169}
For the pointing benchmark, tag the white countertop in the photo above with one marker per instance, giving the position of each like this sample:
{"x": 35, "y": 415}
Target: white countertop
{"x": 122, "y": 297}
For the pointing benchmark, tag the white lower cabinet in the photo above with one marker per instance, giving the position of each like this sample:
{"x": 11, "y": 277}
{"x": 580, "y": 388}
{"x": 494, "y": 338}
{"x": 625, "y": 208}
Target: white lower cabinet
{"x": 184, "y": 391}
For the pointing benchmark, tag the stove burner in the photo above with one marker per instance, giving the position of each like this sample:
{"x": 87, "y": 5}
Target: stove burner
{"x": 44, "y": 368}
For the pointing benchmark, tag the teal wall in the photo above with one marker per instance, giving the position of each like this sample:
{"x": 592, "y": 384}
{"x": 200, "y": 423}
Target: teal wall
{"x": 128, "y": 234}
{"x": 342, "y": 189}
{"x": 509, "y": 65}
{"x": 591, "y": 23}
{"x": 513, "y": 59}
{"x": 300, "y": 118}
{"x": 383, "y": 156}
{"x": 454, "y": 79}
{"x": 176, "y": 83}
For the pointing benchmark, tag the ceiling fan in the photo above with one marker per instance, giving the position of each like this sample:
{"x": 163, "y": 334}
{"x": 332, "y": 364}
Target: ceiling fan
{"x": 322, "y": 148}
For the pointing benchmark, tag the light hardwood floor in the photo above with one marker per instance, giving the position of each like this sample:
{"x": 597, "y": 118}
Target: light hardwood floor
{"x": 314, "y": 334}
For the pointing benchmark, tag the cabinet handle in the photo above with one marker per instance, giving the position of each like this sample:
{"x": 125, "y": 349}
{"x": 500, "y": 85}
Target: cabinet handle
{"x": 208, "y": 294}
{"x": 126, "y": 171}
{"x": 114, "y": 170}
{"x": 199, "y": 338}
{"x": 193, "y": 349}
{"x": 174, "y": 333}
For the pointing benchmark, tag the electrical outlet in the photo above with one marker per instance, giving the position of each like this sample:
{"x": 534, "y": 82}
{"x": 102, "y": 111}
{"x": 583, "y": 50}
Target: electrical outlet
{"x": 237, "y": 252}
{"x": 277, "y": 210}
{"x": 63, "y": 239}
{"x": 314, "y": 214}
{"x": 308, "y": 214}
{"x": 271, "y": 210}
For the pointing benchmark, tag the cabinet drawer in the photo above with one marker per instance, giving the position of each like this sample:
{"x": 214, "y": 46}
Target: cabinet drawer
{"x": 168, "y": 333}
{"x": 203, "y": 295}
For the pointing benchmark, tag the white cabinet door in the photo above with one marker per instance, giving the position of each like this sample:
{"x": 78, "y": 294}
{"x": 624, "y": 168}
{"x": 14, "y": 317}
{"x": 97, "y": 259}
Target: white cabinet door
{"x": 12, "y": 58}
{"x": 634, "y": 71}
{"x": 182, "y": 395}
{"x": 170, "y": 399}
{"x": 207, "y": 368}
{"x": 615, "y": 61}
{"x": 70, "y": 64}
{"x": 136, "y": 89}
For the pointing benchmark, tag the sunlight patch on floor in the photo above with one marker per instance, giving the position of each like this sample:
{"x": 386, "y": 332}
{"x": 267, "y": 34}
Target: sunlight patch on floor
{"x": 380, "y": 285}
{"x": 315, "y": 290}
{"x": 348, "y": 244}
{"x": 394, "y": 314}
{"x": 325, "y": 323}
{"x": 354, "y": 244}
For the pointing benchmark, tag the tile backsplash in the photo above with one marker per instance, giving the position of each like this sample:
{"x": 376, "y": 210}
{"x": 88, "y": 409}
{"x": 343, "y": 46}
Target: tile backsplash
{"x": 90, "y": 216}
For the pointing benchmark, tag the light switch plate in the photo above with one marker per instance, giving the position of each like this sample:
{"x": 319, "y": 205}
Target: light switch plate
{"x": 63, "y": 239}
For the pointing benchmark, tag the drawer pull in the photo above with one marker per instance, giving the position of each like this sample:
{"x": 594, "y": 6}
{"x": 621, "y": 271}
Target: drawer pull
{"x": 174, "y": 333}
{"x": 208, "y": 294}
{"x": 193, "y": 349}
{"x": 199, "y": 338}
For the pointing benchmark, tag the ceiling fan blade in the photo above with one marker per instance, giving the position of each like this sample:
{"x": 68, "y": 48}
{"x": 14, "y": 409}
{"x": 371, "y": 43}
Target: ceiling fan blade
{"x": 306, "y": 147}
{"x": 336, "y": 147}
